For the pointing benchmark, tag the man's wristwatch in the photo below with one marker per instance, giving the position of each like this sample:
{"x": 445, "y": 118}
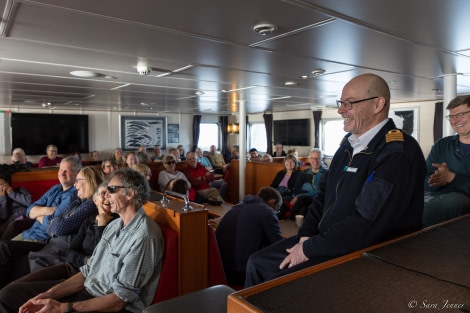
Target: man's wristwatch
{"x": 69, "y": 307}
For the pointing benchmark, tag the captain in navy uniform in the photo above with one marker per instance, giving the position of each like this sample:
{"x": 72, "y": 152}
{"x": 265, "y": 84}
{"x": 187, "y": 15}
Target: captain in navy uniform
{"x": 373, "y": 191}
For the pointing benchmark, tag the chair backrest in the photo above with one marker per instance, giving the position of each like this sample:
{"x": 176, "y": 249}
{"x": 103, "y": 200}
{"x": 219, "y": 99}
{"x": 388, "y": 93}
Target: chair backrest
{"x": 168, "y": 283}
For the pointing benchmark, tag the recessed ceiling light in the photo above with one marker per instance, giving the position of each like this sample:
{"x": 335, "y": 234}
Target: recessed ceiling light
{"x": 291, "y": 83}
{"x": 86, "y": 74}
{"x": 318, "y": 71}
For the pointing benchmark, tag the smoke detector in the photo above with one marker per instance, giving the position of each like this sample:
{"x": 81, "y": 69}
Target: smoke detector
{"x": 264, "y": 28}
{"x": 143, "y": 67}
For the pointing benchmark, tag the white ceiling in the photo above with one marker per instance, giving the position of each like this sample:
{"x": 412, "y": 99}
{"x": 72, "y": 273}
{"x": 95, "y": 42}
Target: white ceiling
{"x": 412, "y": 44}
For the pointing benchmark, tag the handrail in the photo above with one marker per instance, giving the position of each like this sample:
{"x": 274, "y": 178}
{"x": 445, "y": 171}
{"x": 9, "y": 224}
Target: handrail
{"x": 177, "y": 195}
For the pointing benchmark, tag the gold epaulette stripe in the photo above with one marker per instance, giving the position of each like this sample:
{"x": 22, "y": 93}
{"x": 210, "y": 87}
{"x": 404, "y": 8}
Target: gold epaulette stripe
{"x": 394, "y": 135}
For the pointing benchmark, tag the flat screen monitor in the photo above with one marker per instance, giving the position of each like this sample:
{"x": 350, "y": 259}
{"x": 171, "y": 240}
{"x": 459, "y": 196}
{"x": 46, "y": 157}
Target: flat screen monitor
{"x": 292, "y": 132}
{"x": 34, "y": 131}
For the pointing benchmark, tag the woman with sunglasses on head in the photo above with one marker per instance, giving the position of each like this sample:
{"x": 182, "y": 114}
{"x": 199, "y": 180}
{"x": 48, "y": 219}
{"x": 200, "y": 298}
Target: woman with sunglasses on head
{"x": 169, "y": 162}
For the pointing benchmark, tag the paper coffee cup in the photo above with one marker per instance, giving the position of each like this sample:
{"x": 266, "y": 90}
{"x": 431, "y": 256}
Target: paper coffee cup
{"x": 299, "y": 219}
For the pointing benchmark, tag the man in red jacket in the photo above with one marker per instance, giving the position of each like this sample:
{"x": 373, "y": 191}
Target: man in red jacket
{"x": 201, "y": 179}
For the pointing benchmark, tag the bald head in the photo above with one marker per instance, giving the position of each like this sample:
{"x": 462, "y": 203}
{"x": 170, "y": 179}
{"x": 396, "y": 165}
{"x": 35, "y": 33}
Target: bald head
{"x": 365, "y": 103}
{"x": 371, "y": 85}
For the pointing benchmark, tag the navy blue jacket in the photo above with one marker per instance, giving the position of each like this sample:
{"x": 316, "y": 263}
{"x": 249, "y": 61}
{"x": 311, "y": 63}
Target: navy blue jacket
{"x": 371, "y": 197}
{"x": 246, "y": 228}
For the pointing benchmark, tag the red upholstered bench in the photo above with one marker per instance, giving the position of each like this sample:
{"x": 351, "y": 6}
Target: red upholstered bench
{"x": 36, "y": 188}
{"x": 168, "y": 284}
{"x": 36, "y": 181}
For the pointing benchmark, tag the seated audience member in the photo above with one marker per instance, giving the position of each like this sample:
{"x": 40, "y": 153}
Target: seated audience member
{"x": 18, "y": 157}
{"x": 149, "y": 206}
{"x": 181, "y": 154}
{"x": 61, "y": 226}
{"x": 147, "y": 172}
{"x": 51, "y": 160}
{"x": 235, "y": 152}
{"x": 178, "y": 185}
{"x": 77, "y": 155}
{"x": 60, "y": 258}
{"x": 108, "y": 166}
{"x": 203, "y": 160}
{"x": 131, "y": 159}
{"x": 278, "y": 151}
{"x": 267, "y": 158}
{"x": 142, "y": 157}
{"x": 254, "y": 156}
{"x": 124, "y": 269}
{"x": 175, "y": 153}
{"x": 170, "y": 172}
{"x": 142, "y": 148}
{"x": 65, "y": 264}
{"x": 447, "y": 182}
{"x": 217, "y": 160}
{"x": 200, "y": 178}
{"x": 53, "y": 204}
{"x": 294, "y": 152}
{"x": 119, "y": 158}
{"x": 284, "y": 182}
{"x": 95, "y": 157}
{"x": 13, "y": 203}
{"x": 157, "y": 150}
{"x": 306, "y": 185}
{"x": 246, "y": 228}
{"x": 373, "y": 190}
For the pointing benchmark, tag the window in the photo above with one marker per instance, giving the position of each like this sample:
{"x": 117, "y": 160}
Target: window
{"x": 258, "y": 137}
{"x": 331, "y": 135}
{"x": 208, "y": 135}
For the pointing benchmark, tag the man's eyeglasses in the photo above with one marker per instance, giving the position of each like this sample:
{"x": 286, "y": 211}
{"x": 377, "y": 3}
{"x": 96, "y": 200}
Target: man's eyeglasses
{"x": 113, "y": 189}
{"x": 348, "y": 104}
{"x": 456, "y": 116}
{"x": 170, "y": 162}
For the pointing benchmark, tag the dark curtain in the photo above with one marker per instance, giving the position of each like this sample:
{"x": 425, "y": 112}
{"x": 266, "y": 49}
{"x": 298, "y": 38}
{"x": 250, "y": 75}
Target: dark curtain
{"x": 438, "y": 116}
{"x": 196, "y": 130}
{"x": 247, "y": 127}
{"x": 223, "y": 121}
{"x": 268, "y": 123}
{"x": 316, "y": 121}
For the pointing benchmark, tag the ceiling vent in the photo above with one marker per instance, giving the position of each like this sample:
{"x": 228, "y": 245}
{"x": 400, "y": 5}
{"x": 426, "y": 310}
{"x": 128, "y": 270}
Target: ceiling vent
{"x": 264, "y": 28}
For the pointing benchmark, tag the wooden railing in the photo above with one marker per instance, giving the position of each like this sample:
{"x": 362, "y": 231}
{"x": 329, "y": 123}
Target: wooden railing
{"x": 257, "y": 175}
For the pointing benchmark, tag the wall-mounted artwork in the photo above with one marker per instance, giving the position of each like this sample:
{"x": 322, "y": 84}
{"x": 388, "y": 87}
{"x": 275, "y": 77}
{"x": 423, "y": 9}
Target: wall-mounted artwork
{"x": 173, "y": 133}
{"x": 142, "y": 130}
